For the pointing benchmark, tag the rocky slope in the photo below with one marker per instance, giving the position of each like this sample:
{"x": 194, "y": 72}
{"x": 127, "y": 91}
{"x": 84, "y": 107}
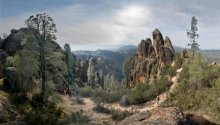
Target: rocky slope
{"x": 160, "y": 116}
{"x": 151, "y": 57}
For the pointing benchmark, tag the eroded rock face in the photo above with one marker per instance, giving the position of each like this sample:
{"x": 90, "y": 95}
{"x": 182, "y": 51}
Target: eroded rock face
{"x": 159, "y": 116}
{"x": 81, "y": 67}
{"x": 12, "y": 43}
{"x": 150, "y": 58}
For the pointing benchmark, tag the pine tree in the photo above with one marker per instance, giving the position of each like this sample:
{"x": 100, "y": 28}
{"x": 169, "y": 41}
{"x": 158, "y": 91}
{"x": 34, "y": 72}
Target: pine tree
{"x": 193, "y": 35}
{"x": 69, "y": 62}
{"x": 43, "y": 28}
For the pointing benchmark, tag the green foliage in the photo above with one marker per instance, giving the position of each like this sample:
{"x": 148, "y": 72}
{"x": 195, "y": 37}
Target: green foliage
{"x": 101, "y": 95}
{"x": 77, "y": 118}
{"x": 26, "y": 66}
{"x": 145, "y": 92}
{"x": 69, "y": 62}
{"x": 110, "y": 97}
{"x": 168, "y": 70}
{"x": 86, "y": 91}
{"x": 10, "y": 61}
{"x": 178, "y": 61}
{"x": 35, "y": 111}
{"x": 124, "y": 100}
{"x": 198, "y": 71}
{"x": 198, "y": 88}
{"x": 139, "y": 94}
{"x": 117, "y": 115}
{"x": 43, "y": 28}
{"x": 193, "y": 35}
{"x": 101, "y": 109}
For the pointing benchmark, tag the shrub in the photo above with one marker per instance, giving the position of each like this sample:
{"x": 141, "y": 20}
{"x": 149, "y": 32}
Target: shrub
{"x": 101, "y": 95}
{"x": 86, "y": 91}
{"x": 138, "y": 94}
{"x": 117, "y": 115}
{"x": 43, "y": 113}
{"x": 101, "y": 109}
{"x": 145, "y": 92}
{"x": 77, "y": 118}
{"x": 168, "y": 70}
{"x": 124, "y": 100}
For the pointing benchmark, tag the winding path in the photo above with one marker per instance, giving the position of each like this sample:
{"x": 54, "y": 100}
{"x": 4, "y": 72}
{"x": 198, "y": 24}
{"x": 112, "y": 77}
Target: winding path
{"x": 151, "y": 104}
{"x": 70, "y": 105}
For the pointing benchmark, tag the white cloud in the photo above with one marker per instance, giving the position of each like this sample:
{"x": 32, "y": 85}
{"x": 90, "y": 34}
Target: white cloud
{"x": 86, "y": 26}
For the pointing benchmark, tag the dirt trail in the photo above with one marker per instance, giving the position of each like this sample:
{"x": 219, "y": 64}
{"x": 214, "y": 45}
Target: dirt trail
{"x": 151, "y": 104}
{"x": 69, "y": 104}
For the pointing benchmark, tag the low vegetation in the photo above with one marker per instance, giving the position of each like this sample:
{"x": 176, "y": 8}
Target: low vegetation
{"x": 77, "y": 118}
{"x": 198, "y": 88}
{"x": 146, "y": 92}
{"x": 117, "y": 115}
{"x": 140, "y": 94}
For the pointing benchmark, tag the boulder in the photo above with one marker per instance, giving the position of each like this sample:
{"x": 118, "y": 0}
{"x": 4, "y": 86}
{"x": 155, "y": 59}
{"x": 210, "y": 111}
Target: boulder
{"x": 10, "y": 73}
{"x": 12, "y": 43}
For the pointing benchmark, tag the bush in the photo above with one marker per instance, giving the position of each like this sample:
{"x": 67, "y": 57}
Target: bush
{"x": 43, "y": 113}
{"x": 200, "y": 92}
{"x": 145, "y": 92}
{"x": 124, "y": 101}
{"x": 138, "y": 94}
{"x": 101, "y": 109}
{"x": 77, "y": 118}
{"x": 117, "y": 115}
{"x": 168, "y": 70}
{"x": 101, "y": 95}
{"x": 86, "y": 91}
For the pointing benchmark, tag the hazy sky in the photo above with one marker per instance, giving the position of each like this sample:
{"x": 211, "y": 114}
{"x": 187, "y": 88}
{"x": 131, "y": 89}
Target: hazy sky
{"x": 104, "y": 24}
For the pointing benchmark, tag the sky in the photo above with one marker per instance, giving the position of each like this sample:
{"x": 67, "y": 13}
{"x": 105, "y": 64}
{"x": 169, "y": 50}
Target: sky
{"x": 106, "y": 24}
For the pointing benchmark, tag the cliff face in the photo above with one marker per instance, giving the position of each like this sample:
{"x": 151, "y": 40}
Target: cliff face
{"x": 150, "y": 59}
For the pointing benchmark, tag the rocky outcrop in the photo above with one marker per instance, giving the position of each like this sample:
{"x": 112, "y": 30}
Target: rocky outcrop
{"x": 2, "y": 62}
{"x": 159, "y": 116}
{"x": 184, "y": 54}
{"x": 93, "y": 75}
{"x": 150, "y": 58}
{"x": 81, "y": 67}
{"x": 12, "y": 43}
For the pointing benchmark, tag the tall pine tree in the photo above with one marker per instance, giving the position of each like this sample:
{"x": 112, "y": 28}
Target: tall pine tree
{"x": 69, "y": 62}
{"x": 193, "y": 35}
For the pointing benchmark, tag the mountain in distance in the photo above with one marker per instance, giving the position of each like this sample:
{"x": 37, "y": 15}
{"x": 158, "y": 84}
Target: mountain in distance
{"x": 120, "y": 53}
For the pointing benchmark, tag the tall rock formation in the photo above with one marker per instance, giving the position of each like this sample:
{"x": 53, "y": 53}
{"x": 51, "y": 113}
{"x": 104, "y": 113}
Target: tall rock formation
{"x": 150, "y": 58}
{"x": 93, "y": 74}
